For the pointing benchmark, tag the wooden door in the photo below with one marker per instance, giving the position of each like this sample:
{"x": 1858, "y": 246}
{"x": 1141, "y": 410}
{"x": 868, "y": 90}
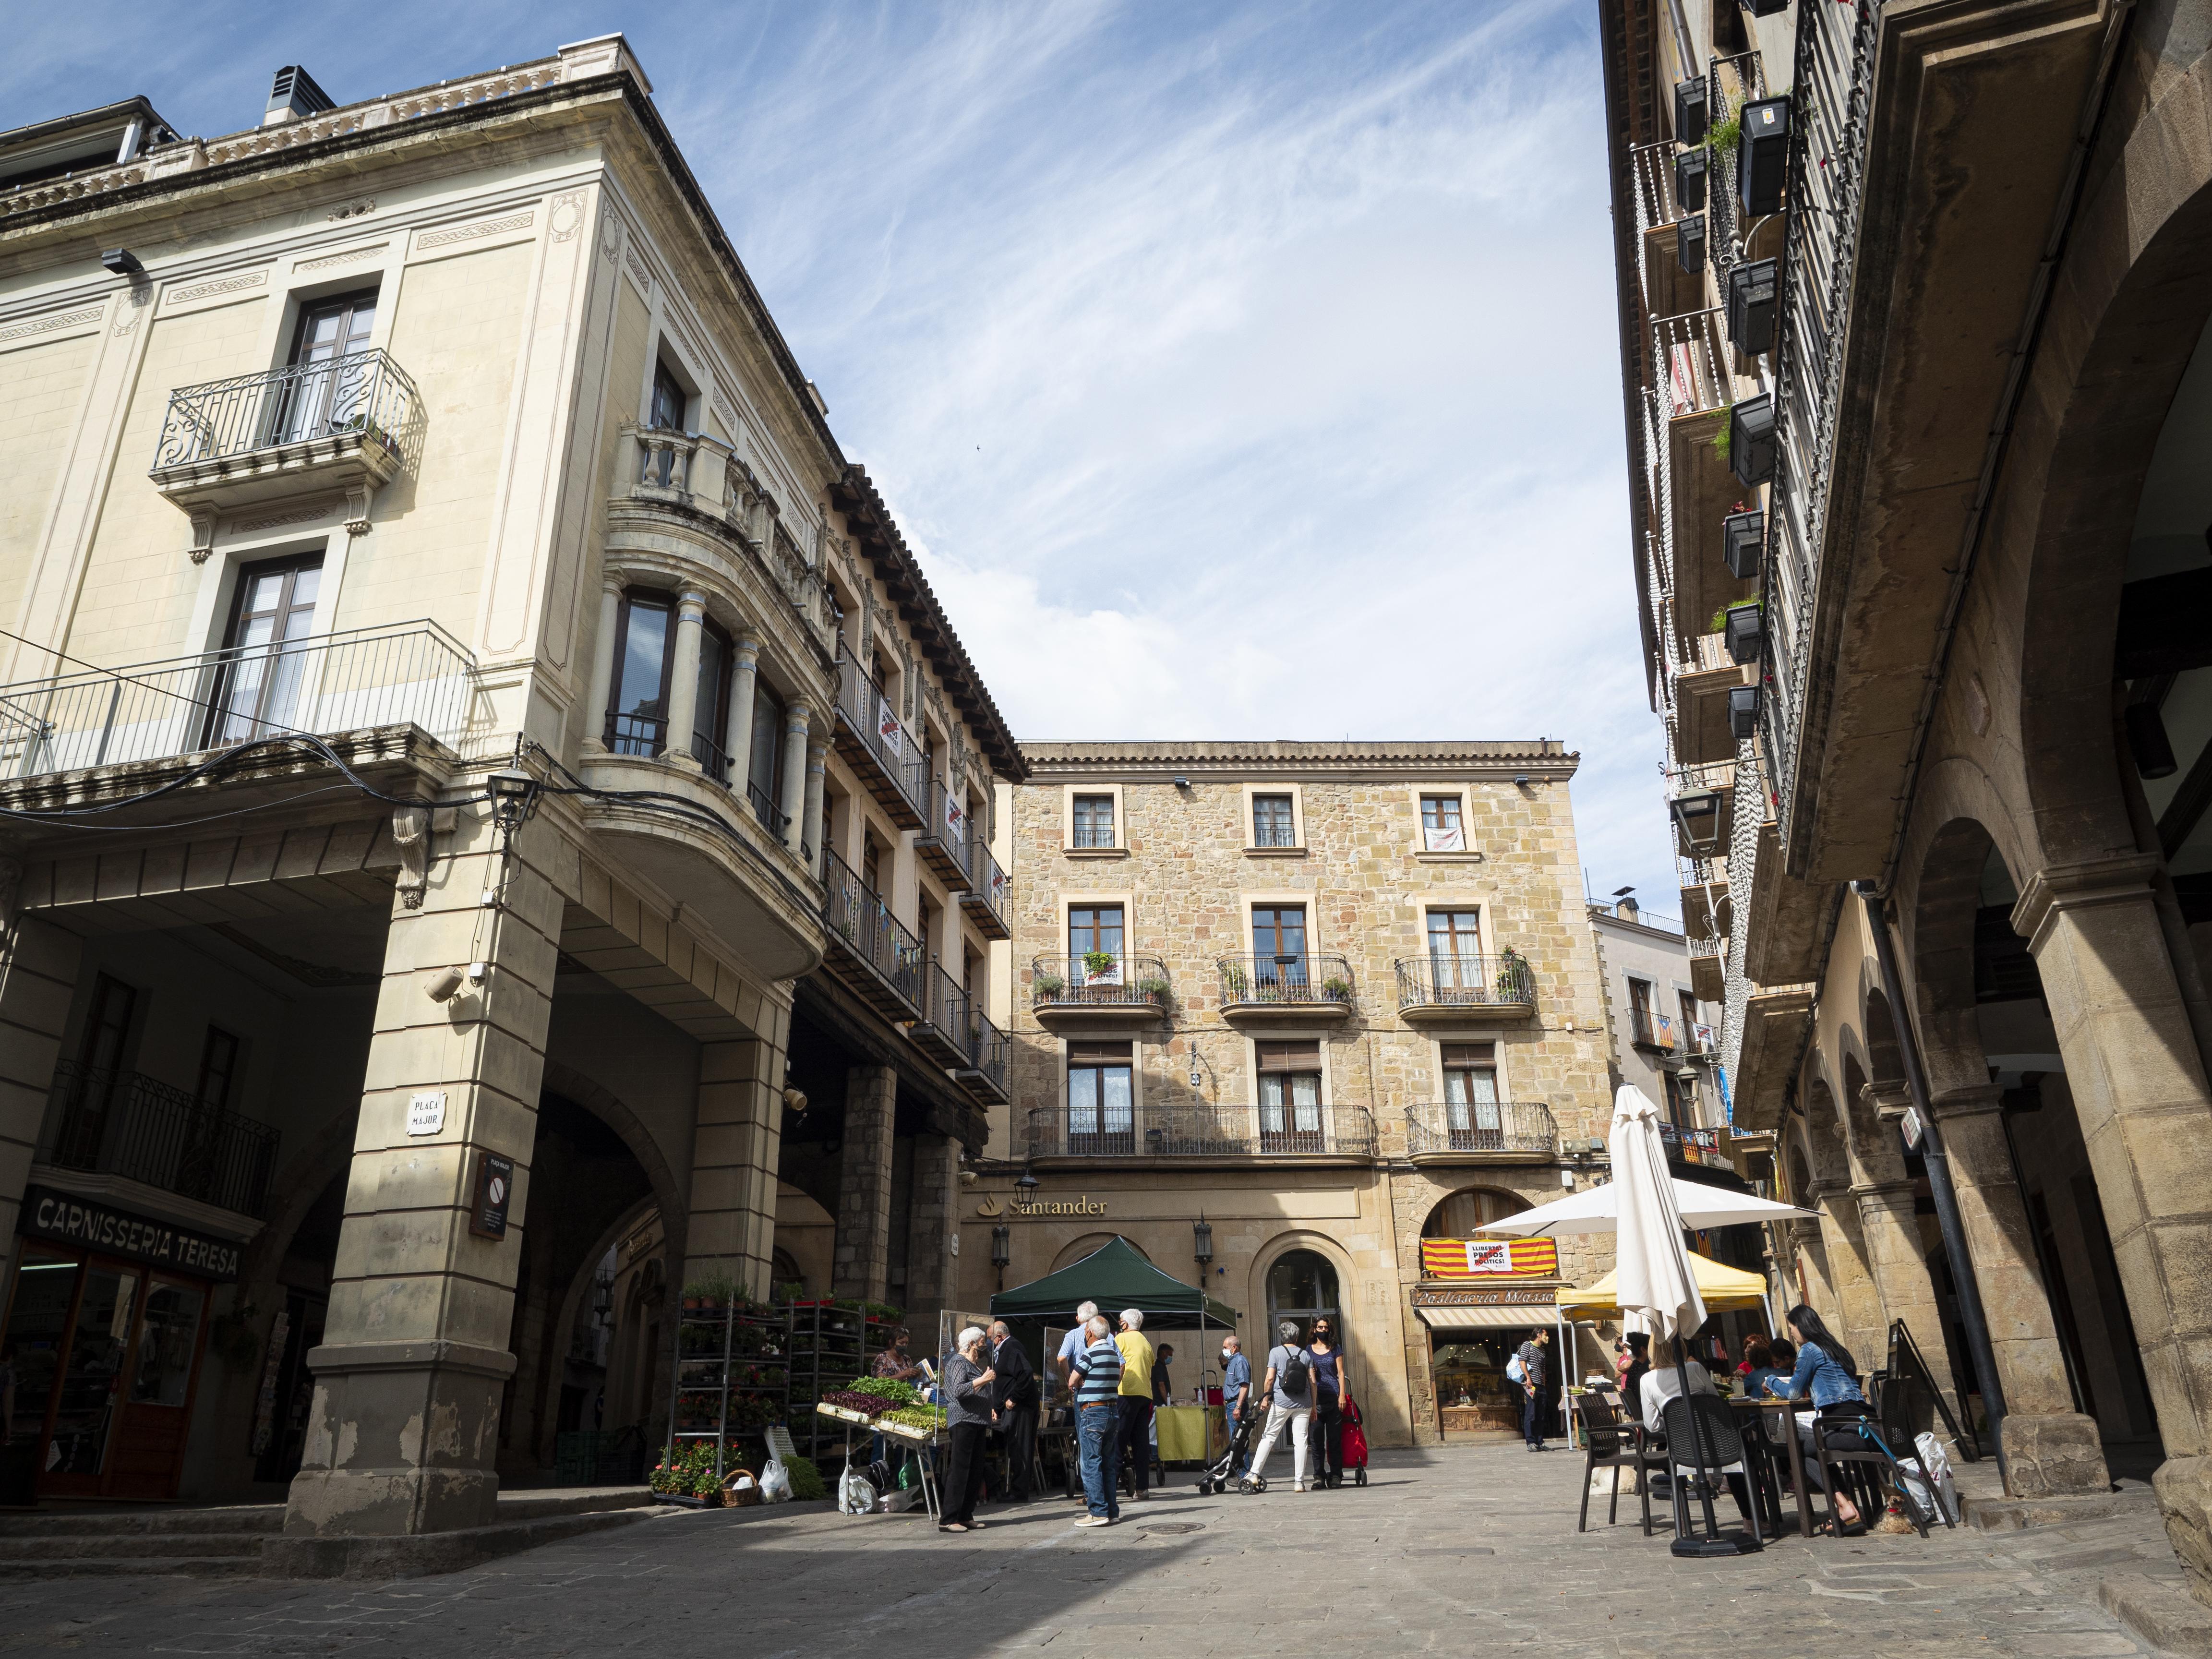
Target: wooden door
{"x": 147, "y": 1461}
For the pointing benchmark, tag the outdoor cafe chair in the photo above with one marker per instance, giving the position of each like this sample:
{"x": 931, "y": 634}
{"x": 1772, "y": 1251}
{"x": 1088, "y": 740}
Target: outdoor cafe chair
{"x": 1612, "y": 1444}
{"x": 1701, "y": 1430}
{"x": 1861, "y": 1460}
{"x": 1893, "y": 1398}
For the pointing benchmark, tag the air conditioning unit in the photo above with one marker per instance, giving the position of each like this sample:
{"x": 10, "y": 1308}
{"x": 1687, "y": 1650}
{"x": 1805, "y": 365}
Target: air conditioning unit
{"x": 1690, "y": 109}
{"x": 1743, "y": 535}
{"x": 1750, "y": 306}
{"x": 1690, "y": 243}
{"x": 1751, "y": 439}
{"x": 1690, "y": 169}
{"x": 1744, "y": 626}
{"x": 1762, "y": 155}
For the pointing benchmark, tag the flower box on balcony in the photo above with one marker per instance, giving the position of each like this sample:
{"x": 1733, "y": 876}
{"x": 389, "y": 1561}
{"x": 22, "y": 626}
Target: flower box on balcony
{"x": 1690, "y": 243}
{"x": 1690, "y": 111}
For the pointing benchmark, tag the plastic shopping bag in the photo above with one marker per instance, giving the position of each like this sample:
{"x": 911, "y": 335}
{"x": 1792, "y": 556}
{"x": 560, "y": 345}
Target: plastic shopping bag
{"x": 776, "y": 1480}
{"x": 855, "y": 1495}
{"x": 1938, "y": 1463}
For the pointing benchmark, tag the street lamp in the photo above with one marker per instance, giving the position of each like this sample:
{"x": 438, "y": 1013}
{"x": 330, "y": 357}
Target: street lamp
{"x": 1002, "y": 1251}
{"x": 1201, "y": 1249}
{"x": 1025, "y": 1184}
{"x": 514, "y": 793}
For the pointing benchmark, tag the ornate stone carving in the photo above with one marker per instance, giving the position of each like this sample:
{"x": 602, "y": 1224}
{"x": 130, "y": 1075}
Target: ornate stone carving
{"x": 411, "y": 833}
{"x": 47, "y": 324}
{"x": 357, "y": 498}
{"x": 470, "y": 233}
{"x": 204, "y": 520}
{"x": 566, "y": 217}
{"x": 223, "y": 285}
{"x": 353, "y": 209}
{"x": 345, "y": 256}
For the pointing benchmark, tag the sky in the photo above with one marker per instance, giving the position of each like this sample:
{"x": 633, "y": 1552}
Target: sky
{"x": 1237, "y": 371}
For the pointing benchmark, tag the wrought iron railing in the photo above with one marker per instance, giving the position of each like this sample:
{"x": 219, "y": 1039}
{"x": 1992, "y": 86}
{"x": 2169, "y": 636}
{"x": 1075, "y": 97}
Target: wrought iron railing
{"x": 857, "y": 915}
{"x": 987, "y": 882}
{"x": 943, "y": 1004}
{"x": 1201, "y": 1131}
{"x": 772, "y": 818}
{"x": 1098, "y": 980}
{"x": 408, "y": 673}
{"x": 986, "y": 1047}
{"x": 1480, "y": 1126}
{"x": 1830, "y": 97}
{"x": 869, "y": 713}
{"x": 1291, "y": 979}
{"x": 714, "y": 759}
{"x": 127, "y": 1124}
{"x": 1649, "y": 1030}
{"x": 1443, "y": 981}
{"x": 363, "y": 393}
{"x": 945, "y": 821}
{"x": 1690, "y": 362}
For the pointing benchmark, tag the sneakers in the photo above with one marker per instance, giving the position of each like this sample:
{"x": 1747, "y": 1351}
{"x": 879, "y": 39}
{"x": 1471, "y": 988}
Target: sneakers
{"x": 1094, "y": 1521}
{"x": 1298, "y": 1485}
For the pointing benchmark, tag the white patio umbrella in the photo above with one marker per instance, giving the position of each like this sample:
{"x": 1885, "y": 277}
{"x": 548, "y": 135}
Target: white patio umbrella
{"x": 1594, "y": 1210}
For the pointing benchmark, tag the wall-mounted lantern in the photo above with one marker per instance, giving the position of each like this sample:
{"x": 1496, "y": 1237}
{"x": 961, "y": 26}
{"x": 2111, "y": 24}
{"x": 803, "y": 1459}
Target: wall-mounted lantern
{"x": 1742, "y": 536}
{"x": 1762, "y": 155}
{"x": 1750, "y": 306}
{"x": 1751, "y": 440}
{"x": 1745, "y": 628}
{"x": 1700, "y": 823}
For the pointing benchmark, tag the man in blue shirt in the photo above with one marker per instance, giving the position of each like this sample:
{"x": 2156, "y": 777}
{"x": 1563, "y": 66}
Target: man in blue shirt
{"x": 1074, "y": 1343}
{"x": 1096, "y": 1378}
{"x": 1236, "y": 1385}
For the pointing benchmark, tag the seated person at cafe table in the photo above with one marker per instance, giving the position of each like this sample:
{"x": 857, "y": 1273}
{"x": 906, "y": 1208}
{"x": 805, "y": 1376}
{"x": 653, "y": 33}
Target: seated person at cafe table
{"x": 1825, "y": 1374}
{"x": 1663, "y": 1383}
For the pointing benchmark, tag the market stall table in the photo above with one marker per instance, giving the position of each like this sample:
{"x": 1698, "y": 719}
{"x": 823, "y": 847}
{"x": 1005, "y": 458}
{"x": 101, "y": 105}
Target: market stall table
{"x": 1191, "y": 1434}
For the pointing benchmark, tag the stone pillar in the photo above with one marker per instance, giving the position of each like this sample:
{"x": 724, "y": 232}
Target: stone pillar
{"x": 608, "y": 651}
{"x": 683, "y": 677}
{"x": 2049, "y": 1446}
{"x": 1895, "y": 1255}
{"x": 862, "y": 1262}
{"x": 742, "y": 687}
{"x": 1858, "y": 1317}
{"x": 737, "y": 1142}
{"x": 818, "y": 767}
{"x": 405, "y": 1419}
{"x": 797, "y": 718}
{"x": 932, "y": 1269}
{"x": 37, "y": 979}
{"x": 2139, "y": 1089}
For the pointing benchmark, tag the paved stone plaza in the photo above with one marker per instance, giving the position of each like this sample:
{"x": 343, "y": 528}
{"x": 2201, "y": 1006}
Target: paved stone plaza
{"x": 1458, "y": 1550}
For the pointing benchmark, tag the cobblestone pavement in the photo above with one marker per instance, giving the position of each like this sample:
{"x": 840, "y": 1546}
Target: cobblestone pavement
{"x": 1463, "y": 1550}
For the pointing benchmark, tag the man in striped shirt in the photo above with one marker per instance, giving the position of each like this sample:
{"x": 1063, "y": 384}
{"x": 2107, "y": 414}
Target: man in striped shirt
{"x": 1096, "y": 1378}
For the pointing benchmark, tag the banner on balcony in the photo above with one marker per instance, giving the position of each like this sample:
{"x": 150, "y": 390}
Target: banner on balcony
{"x": 956, "y": 818}
{"x": 889, "y": 732}
{"x": 1489, "y": 1258}
{"x": 1444, "y": 838}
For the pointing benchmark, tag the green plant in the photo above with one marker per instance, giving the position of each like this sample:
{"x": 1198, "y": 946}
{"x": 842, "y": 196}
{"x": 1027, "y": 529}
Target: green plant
{"x": 931, "y": 1418}
{"x": 1720, "y": 617}
{"x": 1235, "y": 982}
{"x": 711, "y": 1287}
{"x": 887, "y": 1387}
{"x": 1153, "y": 988}
{"x": 806, "y": 1481}
{"x": 1727, "y": 426}
{"x": 884, "y": 1311}
{"x": 1337, "y": 990}
{"x": 1722, "y": 136}
{"x": 689, "y": 1471}
{"x": 1050, "y": 985}
{"x": 1512, "y": 978}
{"x": 1098, "y": 963}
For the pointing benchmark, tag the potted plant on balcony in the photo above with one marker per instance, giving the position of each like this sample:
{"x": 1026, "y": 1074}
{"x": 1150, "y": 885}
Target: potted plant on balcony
{"x": 1512, "y": 978}
{"x": 1101, "y": 968}
{"x": 1047, "y": 987}
{"x": 1155, "y": 988}
{"x": 1236, "y": 985}
{"x": 1336, "y": 989}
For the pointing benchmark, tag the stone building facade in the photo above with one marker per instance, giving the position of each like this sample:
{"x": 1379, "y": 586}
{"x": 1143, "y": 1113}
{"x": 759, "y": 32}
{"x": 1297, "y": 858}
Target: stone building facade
{"x": 1944, "y": 775}
{"x": 1326, "y": 998}
{"x": 480, "y": 755}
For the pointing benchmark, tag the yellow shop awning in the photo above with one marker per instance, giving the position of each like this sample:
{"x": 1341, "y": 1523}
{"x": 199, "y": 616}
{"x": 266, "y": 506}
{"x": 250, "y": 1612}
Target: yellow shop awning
{"x": 1725, "y": 1290}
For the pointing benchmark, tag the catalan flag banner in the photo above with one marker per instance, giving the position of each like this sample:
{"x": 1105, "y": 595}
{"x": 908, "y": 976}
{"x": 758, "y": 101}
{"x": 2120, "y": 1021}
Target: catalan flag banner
{"x": 1489, "y": 1258}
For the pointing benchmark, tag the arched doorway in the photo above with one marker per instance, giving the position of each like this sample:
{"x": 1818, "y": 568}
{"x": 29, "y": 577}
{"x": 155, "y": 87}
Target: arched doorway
{"x": 1302, "y": 1285}
{"x": 1464, "y": 1213}
{"x": 1468, "y": 1347}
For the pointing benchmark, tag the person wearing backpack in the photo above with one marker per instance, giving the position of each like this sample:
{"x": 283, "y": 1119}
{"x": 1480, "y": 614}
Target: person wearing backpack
{"x": 1289, "y": 1386}
{"x": 1527, "y": 1369}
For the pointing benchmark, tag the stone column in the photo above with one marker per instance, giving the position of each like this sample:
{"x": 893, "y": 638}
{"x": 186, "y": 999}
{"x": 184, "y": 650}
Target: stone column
{"x": 1889, "y": 1228}
{"x": 38, "y": 980}
{"x": 737, "y": 1142}
{"x": 862, "y": 1262}
{"x": 683, "y": 677}
{"x": 818, "y": 767}
{"x": 742, "y": 687}
{"x": 932, "y": 1269}
{"x": 797, "y": 718}
{"x": 405, "y": 1418}
{"x": 1858, "y": 1304}
{"x": 2138, "y": 1085}
{"x": 607, "y": 652}
{"x": 2049, "y": 1446}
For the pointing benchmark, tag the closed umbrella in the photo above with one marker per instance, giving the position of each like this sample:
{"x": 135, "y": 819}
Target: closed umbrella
{"x": 1653, "y": 1277}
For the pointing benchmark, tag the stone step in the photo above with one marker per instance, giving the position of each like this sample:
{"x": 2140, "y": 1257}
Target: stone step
{"x": 261, "y": 1518}
{"x": 533, "y": 1504}
{"x": 133, "y": 1547}
{"x": 2001, "y": 1514}
{"x": 116, "y": 1566}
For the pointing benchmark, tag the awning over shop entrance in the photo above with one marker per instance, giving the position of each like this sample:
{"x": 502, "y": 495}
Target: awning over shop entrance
{"x": 1493, "y": 1316}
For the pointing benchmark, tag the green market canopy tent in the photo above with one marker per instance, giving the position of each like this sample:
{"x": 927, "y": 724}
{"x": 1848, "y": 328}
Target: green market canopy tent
{"x": 1116, "y": 1277}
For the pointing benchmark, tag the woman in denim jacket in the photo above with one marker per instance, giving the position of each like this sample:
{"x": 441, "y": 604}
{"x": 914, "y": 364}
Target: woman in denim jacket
{"x": 1825, "y": 1374}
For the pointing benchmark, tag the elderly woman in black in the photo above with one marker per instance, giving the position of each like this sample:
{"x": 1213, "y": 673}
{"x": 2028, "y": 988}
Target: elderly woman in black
{"x": 969, "y": 1410}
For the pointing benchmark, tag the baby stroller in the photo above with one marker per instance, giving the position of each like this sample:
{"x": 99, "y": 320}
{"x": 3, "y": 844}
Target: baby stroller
{"x": 1355, "y": 1443}
{"x": 1215, "y": 1477}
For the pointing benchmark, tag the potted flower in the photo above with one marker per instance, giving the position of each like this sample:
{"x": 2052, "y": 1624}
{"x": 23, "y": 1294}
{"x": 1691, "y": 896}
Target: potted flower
{"x": 1512, "y": 978}
{"x": 1336, "y": 990}
{"x": 1157, "y": 989}
{"x": 1049, "y": 986}
{"x": 1101, "y": 968}
{"x": 1236, "y": 983}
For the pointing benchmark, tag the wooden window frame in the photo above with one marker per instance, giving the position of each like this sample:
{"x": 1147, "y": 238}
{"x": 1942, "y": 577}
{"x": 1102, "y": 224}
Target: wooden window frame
{"x": 653, "y": 598}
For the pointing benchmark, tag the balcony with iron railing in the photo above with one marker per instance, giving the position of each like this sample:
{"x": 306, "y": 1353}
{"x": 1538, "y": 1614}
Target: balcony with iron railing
{"x": 1299, "y": 989}
{"x": 1488, "y": 1130}
{"x": 139, "y": 1128}
{"x": 346, "y": 422}
{"x": 407, "y": 674}
{"x": 1201, "y": 1131}
{"x": 1097, "y": 987}
{"x": 1441, "y": 990}
{"x": 985, "y": 898}
{"x": 877, "y": 745}
{"x": 983, "y": 1073}
{"x": 870, "y": 949}
{"x": 942, "y": 1031}
{"x": 942, "y": 846}
{"x": 1647, "y": 1030}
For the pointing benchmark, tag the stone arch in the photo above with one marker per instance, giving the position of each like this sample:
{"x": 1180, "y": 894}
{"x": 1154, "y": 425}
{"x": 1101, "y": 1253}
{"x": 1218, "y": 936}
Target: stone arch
{"x": 1353, "y": 1324}
{"x": 1885, "y": 1055}
{"x": 1947, "y": 898}
{"x": 604, "y": 1105}
{"x": 572, "y": 1299}
{"x": 1449, "y": 1216}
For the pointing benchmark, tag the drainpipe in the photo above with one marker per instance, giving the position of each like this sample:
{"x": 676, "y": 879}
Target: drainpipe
{"x": 1969, "y": 1289}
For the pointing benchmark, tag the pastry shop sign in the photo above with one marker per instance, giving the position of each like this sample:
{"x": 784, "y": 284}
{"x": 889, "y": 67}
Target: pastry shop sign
{"x": 73, "y": 1220}
{"x": 1038, "y": 1209}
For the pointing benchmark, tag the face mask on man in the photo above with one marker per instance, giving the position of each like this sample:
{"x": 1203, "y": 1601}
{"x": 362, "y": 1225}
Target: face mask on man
{"x": 1228, "y": 1354}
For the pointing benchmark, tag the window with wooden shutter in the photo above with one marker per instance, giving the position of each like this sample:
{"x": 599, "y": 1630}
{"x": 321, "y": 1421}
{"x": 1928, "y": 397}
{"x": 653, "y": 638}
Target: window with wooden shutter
{"x": 1289, "y": 1096}
{"x": 1100, "y": 1098}
{"x": 1471, "y": 1111}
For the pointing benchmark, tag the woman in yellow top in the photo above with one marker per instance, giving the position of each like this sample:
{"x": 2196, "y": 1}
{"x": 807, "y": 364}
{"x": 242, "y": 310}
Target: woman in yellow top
{"x": 1136, "y": 1396}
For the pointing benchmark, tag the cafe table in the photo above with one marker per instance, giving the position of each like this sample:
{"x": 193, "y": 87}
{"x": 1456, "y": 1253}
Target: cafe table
{"x": 1750, "y": 1413}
